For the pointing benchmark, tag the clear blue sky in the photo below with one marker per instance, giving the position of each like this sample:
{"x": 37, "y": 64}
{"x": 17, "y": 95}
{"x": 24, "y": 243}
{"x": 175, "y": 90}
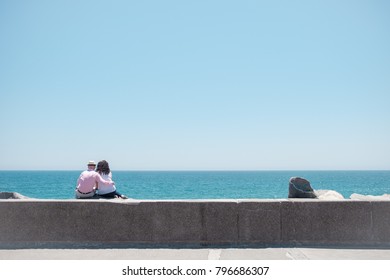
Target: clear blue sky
{"x": 195, "y": 85}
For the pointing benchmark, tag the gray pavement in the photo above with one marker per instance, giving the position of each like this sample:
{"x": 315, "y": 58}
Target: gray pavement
{"x": 197, "y": 254}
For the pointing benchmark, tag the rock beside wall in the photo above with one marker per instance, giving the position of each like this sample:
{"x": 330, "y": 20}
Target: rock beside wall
{"x": 12, "y": 195}
{"x": 356, "y": 196}
{"x": 328, "y": 195}
{"x": 300, "y": 188}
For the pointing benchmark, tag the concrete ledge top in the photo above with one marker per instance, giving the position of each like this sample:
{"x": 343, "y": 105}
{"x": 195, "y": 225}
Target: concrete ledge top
{"x": 138, "y": 201}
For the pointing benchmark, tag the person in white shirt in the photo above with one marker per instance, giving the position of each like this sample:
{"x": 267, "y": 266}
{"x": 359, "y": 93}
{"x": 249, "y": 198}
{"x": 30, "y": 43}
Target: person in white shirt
{"x": 105, "y": 190}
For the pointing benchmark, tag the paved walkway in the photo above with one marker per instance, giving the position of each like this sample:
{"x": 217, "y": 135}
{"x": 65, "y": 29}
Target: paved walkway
{"x": 197, "y": 254}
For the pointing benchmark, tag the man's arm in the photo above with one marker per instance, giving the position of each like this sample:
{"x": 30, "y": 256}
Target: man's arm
{"x": 101, "y": 180}
{"x": 79, "y": 179}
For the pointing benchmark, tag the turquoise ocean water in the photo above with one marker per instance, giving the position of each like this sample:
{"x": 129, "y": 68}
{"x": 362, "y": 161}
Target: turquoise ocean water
{"x": 197, "y": 184}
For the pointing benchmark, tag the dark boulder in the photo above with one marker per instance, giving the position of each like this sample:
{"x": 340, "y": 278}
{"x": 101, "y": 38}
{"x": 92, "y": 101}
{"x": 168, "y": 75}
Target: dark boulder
{"x": 11, "y": 195}
{"x": 300, "y": 188}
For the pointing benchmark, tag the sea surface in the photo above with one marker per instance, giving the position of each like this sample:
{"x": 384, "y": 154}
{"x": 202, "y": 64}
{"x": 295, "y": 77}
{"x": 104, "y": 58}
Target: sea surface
{"x": 197, "y": 184}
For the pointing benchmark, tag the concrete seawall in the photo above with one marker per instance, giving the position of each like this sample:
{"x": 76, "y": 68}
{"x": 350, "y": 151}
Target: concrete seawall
{"x": 292, "y": 222}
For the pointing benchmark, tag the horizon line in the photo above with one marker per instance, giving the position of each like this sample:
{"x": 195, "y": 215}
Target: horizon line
{"x": 202, "y": 170}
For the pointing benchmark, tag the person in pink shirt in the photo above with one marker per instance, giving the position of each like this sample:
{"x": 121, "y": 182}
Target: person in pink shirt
{"x": 88, "y": 180}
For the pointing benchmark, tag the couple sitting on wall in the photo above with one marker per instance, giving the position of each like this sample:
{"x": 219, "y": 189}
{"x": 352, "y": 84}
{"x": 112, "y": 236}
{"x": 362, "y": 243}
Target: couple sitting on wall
{"x": 97, "y": 183}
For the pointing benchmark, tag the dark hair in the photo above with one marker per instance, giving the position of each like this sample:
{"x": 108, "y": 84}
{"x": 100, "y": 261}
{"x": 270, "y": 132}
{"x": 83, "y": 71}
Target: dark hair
{"x": 103, "y": 167}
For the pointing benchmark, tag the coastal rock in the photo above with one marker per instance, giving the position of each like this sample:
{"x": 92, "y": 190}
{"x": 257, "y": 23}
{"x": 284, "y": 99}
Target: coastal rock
{"x": 12, "y": 195}
{"x": 300, "y": 188}
{"x": 356, "y": 196}
{"x": 328, "y": 195}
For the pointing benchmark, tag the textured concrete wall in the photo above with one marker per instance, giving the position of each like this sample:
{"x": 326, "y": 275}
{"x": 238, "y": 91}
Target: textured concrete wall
{"x": 193, "y": 223}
